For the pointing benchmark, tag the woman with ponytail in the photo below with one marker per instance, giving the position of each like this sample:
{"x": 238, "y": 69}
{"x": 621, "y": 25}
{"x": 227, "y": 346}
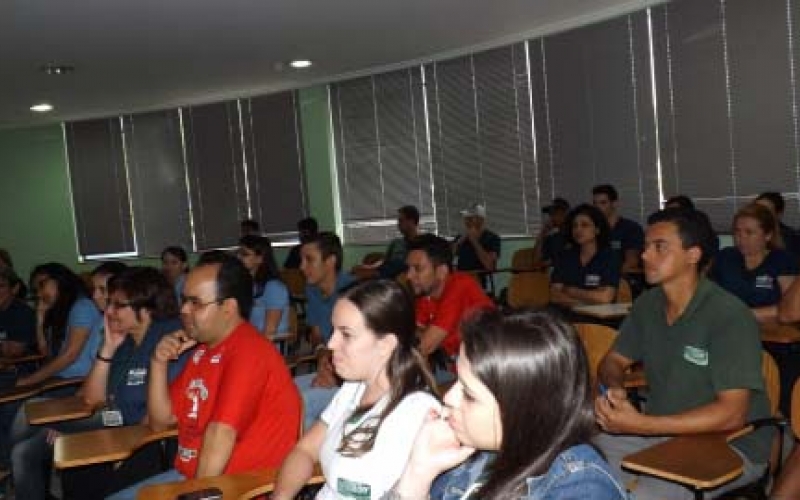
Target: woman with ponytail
{"x": 362, "y": 439}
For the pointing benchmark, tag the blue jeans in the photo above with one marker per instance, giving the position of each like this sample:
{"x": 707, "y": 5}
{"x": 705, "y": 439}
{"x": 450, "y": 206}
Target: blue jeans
{"x": 315, "y": 399}
{"x": 169, "y": 476}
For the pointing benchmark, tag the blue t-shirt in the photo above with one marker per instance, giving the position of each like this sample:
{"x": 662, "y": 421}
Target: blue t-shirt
{"x": 320, "y": 308}
{"x": 274, "y": 296}
{"x": 128, "y": 376}
{"x": 757, "y": 287}
{"x": 602, "y": 270}
{"x": 84, "y": 314}
{"x": 625, "y": 235}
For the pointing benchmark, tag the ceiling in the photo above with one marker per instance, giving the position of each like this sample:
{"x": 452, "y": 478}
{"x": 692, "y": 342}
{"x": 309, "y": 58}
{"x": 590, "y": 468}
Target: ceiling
{"x": 139, "y": 55}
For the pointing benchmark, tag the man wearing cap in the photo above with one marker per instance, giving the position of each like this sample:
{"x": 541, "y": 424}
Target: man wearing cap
{"x": 478, "y": 248}
{"x": 552, "y": 238}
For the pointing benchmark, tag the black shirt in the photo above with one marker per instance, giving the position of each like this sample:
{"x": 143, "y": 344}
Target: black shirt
{"x": 18, "y": 323}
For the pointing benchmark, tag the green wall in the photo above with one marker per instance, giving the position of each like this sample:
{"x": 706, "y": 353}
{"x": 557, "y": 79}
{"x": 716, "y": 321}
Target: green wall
{"x": 36, "y": 221}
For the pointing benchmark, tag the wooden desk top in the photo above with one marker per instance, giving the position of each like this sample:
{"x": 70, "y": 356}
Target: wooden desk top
{"x": 604, "y": 311}
{"x": 702, "y": 461}
{"x": 234, "y": 486}
{"x": 780, "y": 334}
{"x": 104, "y": 445}
{"x": 57, "y": 410}
{"x": 26, "y": 391}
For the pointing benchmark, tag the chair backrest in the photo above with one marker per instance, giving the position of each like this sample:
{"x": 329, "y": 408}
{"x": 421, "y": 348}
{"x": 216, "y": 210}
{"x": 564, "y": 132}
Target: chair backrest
{"x": 529, "y": 289}
{"x": 772, "y": 381}
{"x": 294, "y": 280}
{"x": 624, "y": 293}
{"x": 522, "y": 259}
{"x": 597, "y": 341}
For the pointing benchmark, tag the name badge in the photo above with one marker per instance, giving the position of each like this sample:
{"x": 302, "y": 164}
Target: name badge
{"x": 136, "y": 376}
{"x": 592, "y": 280}
{"x": 3, "y": 335}
{"x": 112, "y": 418}
{"x": 695, "y": 355}
{"x": 765, "y": 281}
{"x": 351, "y": 490}
{"x": 616, "y": 244}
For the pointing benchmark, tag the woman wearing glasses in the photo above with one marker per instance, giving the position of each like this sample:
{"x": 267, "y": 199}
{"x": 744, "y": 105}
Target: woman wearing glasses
{"x": 523, "y": 396}
{"x": 140, "y": 310}
{"x": 362, "y": 439}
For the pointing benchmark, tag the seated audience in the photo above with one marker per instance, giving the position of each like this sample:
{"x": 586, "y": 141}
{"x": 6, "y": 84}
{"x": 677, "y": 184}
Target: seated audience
{"x": 702, "y": 360}
{"x": 444, "y": 298}
{"x": 626, "y": 236}
{"x": 249, "y": 227}
{"x": 175, "y": 265}
{"x": 393, "y": 262}
{"x": 552, "y": 239}
{"x": 17, "y": 319}
{"x": 524, "y": 399}
{"x": 270, "y": 312}
{"x": 234, "y": 403}
{"x": 306, "y": 228}
{"x": 775, "y": 202}
{"x": 363, "y": 439}
{"x": 588, "y": 271}
{"x": 140, "y": 311}
{"x": 478, "y": 248}
{"x": 756, "y": 269}
{"x": 322, "y": 266}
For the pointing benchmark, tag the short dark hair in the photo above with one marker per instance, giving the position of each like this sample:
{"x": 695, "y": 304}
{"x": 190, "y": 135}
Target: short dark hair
{"x": 435, "y": 247}
{"x": 268, "y": 270}
{"x": 536, "y": 368}
{"x": 213, "y": 257}
{"x": 775, "y": 198}
{"x": 109, "y": 268}
{"x": 308, "y": 224}
{"x": 233, "y": 281}
{"x": 680, "y": 201}
{"x": 250, "y": 225}
{"x": 409, "y": 212}
{"x": 606, "y": 189}
{"x": 5, "y": 257}
{"x": 328, "y": 244}
{"x": 146, "y": 288}
{"x": 694, "y": 230}
{"x": 598, "y": 219}
{"x": 176, "y": 251}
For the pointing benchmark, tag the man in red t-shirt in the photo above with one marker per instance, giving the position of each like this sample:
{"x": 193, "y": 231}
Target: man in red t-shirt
{"x": 235, "y": 404}
{"x": 444, "y": 297}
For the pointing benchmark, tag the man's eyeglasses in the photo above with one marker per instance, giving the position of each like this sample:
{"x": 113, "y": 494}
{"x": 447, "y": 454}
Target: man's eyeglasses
{"x": 196, "y": 303}
{"x": 115, "y": 304}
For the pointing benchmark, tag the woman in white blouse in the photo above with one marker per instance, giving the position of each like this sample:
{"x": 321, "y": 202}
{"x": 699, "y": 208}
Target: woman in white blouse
{"x": 363, "y": 439}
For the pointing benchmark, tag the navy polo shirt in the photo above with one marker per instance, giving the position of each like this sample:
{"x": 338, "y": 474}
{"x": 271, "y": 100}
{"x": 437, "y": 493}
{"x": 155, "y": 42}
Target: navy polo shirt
{"x": 467, "y": 257}
{"x": 757, "y": 287}
{"x": 625, "y": 235}
{"x": 130, "y": 366}
{"x": 555, "y": 244}
{"x": 791, "y": 240}
{"x": 601, "y": 271}
{"x": 18, "y": 323}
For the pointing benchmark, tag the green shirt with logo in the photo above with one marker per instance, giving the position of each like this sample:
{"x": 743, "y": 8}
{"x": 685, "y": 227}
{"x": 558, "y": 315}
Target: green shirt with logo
{"x": 713, "y": 346}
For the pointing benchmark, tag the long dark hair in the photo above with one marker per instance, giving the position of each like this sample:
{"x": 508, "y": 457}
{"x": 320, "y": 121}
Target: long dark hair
{"x": 388, "y": 309}
{"x": 70, "y": 288}
{"x": 268, "y": 270}
{"x": 603, "y": 237}
{"x": 535, "y": 367}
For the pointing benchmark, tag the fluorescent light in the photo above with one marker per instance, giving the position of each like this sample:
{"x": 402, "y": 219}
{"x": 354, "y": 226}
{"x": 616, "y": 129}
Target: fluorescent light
{"x": 300, "y": 63}
{"x": 42, "y": 107}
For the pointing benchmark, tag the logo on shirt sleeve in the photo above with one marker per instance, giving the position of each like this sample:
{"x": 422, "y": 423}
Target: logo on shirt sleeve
{"x": 695, "y": 355}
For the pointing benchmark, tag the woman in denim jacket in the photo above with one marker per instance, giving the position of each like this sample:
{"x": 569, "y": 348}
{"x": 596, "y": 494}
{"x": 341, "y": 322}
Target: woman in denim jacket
{"x": 523, "y": 396}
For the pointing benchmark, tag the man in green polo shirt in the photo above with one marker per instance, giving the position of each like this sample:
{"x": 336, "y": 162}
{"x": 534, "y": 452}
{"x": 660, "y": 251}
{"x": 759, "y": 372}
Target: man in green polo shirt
{"x": 702, "y": 357}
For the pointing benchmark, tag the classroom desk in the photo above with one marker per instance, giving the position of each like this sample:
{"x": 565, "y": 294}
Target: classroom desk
{"x": 104, "y": 445}
{"x": 26, "y": 391}
{"x": 603, "y": 311}
{"x": 57, "y": 410}
{"x": 233, "y": 486}
{"x": 701, "y": 461}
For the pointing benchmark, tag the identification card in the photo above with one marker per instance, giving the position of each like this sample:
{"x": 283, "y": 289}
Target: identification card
{"x": 112, "y": 418}
{"x": 136, "y": 376}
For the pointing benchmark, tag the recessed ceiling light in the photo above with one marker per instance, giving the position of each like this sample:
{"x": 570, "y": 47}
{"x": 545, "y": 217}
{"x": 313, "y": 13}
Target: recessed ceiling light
{"x": 300, "y": 63}
{"x": 57, "y": 69}
{"x": 42, "y": 107}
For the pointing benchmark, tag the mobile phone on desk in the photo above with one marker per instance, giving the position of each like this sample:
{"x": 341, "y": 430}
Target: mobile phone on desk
{"x": 204, "y": 494}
